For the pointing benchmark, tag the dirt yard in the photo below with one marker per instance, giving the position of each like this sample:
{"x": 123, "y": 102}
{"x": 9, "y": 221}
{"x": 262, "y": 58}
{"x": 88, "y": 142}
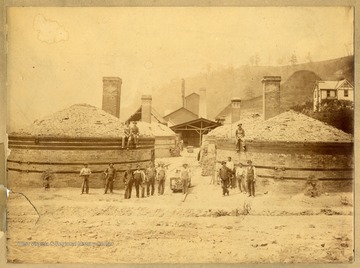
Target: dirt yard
{"x": 206, "y": 228}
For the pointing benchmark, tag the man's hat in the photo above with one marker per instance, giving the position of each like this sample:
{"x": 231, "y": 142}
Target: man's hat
{"x": 137, "y": 165}
{"x": 185, "y": 164}
{"x": 239, "y": 124}
{"x": 223, "y": 163}
{"x": 86, "y": 164}
{"x": 249, "y": 161}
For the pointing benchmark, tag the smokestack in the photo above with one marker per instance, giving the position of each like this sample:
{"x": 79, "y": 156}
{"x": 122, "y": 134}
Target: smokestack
{"x": 111, "y": 95}
{"x": 183, "y": 92}
{"x": 235, "y": 109}
{"x": 271, "y": 96}
{"x": 202, "y": 104}
{"x": 146, "y": 108}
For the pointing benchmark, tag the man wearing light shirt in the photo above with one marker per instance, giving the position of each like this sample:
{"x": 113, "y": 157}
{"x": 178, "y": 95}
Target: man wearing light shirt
{"x": 240, "y": 177}
{"x": 85, "y": 173}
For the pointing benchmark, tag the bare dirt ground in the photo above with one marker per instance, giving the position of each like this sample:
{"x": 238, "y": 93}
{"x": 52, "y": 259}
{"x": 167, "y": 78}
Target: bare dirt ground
{"x": 206, "y": 228}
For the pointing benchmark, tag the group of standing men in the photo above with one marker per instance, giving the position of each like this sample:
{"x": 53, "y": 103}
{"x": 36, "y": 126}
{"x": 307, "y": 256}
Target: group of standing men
{"x": 138, "y": 178}
{"x": 245, "y": 177}
{"x": 144, "y": 180}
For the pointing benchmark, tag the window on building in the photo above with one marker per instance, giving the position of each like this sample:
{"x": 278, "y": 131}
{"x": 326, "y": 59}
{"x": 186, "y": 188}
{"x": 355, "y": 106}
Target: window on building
{"x": 346, "y": 93}
{"x": 327, "y": 93}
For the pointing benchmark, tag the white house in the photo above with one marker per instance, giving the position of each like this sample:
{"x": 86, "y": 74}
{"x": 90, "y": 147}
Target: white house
{"x": 332, "y": 90}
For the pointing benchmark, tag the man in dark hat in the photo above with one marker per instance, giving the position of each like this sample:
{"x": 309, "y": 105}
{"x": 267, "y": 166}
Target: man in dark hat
{"x": 139, "y": 179}
{"x": 85, "y": 174}
{"x": 128, "y": 181}
{"x": 224, "y": 174}
{"x": 110, "y": 174}
{"x": 240, "y": 138}
{"x": 250, "y": 175}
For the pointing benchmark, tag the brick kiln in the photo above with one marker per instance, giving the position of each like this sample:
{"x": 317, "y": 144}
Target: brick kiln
{"x": 62, "y": 142}
{"x": 286, "y": 147}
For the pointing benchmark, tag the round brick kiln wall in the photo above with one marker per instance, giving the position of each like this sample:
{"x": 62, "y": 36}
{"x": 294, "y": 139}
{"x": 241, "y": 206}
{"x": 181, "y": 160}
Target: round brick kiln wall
{"x": 286, "y": 166}
{"x": 288, "y": 148}
{"x": 163, "y": 145}
{"x": 64, "y": 157}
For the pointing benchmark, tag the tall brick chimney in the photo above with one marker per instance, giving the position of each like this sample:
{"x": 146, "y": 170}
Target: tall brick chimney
{"x": 271, "y": 96}
{"x": 146, "y": 108}
{"x": 202, "y": 103}
{"x": 235, "y": 109}
{"x": 111, "y": 95}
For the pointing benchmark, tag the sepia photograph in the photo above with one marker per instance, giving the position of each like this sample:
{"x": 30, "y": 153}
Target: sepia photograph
{"x": 180, "y": 135}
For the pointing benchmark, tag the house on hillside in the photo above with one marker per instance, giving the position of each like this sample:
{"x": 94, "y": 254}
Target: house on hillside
{"x": 332, "y": 90}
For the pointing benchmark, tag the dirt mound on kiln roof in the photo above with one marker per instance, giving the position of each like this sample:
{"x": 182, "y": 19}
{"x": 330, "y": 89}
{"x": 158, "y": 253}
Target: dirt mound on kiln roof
{"x": 288, "y": 126}
{"x": 297, "y": 127}
{"x": 81, "y": 120}
{"x": 248, "y": 121}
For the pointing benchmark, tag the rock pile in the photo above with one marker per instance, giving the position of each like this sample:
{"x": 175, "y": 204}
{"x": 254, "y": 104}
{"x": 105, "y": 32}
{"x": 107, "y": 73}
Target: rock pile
{"x": 83, "y": 120}
{"x": 288, "y": 126}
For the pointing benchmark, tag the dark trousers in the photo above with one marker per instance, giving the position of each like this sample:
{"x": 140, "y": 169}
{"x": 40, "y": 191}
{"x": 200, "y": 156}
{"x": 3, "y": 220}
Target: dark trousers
{"x": 109, "y": 184}
{"x": 185, "y": 183}
{"x": 137, "y": 187}
{"x": 161, "y": 186}
{"x": 85, "y": 184}
{"x": 251, "y": 187}
{"x": 238, "y": 144}
{"x": 241, "y": 184}
{"x": 142, "y": 186}
{"x": 128, "y": 189}
{"x": 224, "y": 186}
{"x": 150, "y": 184}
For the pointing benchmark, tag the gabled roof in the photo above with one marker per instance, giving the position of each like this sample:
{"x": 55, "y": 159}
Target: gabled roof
{"x": 194, "y": 93}
{"x": 154, "y": 114}
{"x": 332, "y": 84}
{"x": 197, "y": 123}
{"x": 182, "y": 108}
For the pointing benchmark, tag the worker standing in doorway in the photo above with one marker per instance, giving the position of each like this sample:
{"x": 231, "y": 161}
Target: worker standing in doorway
{"x": 85, "y": 174}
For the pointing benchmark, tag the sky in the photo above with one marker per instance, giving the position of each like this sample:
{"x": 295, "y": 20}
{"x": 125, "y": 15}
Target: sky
{"x": 58, "y": 56}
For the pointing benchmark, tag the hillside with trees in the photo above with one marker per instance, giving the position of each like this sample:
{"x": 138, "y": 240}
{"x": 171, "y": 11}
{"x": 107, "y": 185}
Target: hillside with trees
{"x": 224, "y": 83}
